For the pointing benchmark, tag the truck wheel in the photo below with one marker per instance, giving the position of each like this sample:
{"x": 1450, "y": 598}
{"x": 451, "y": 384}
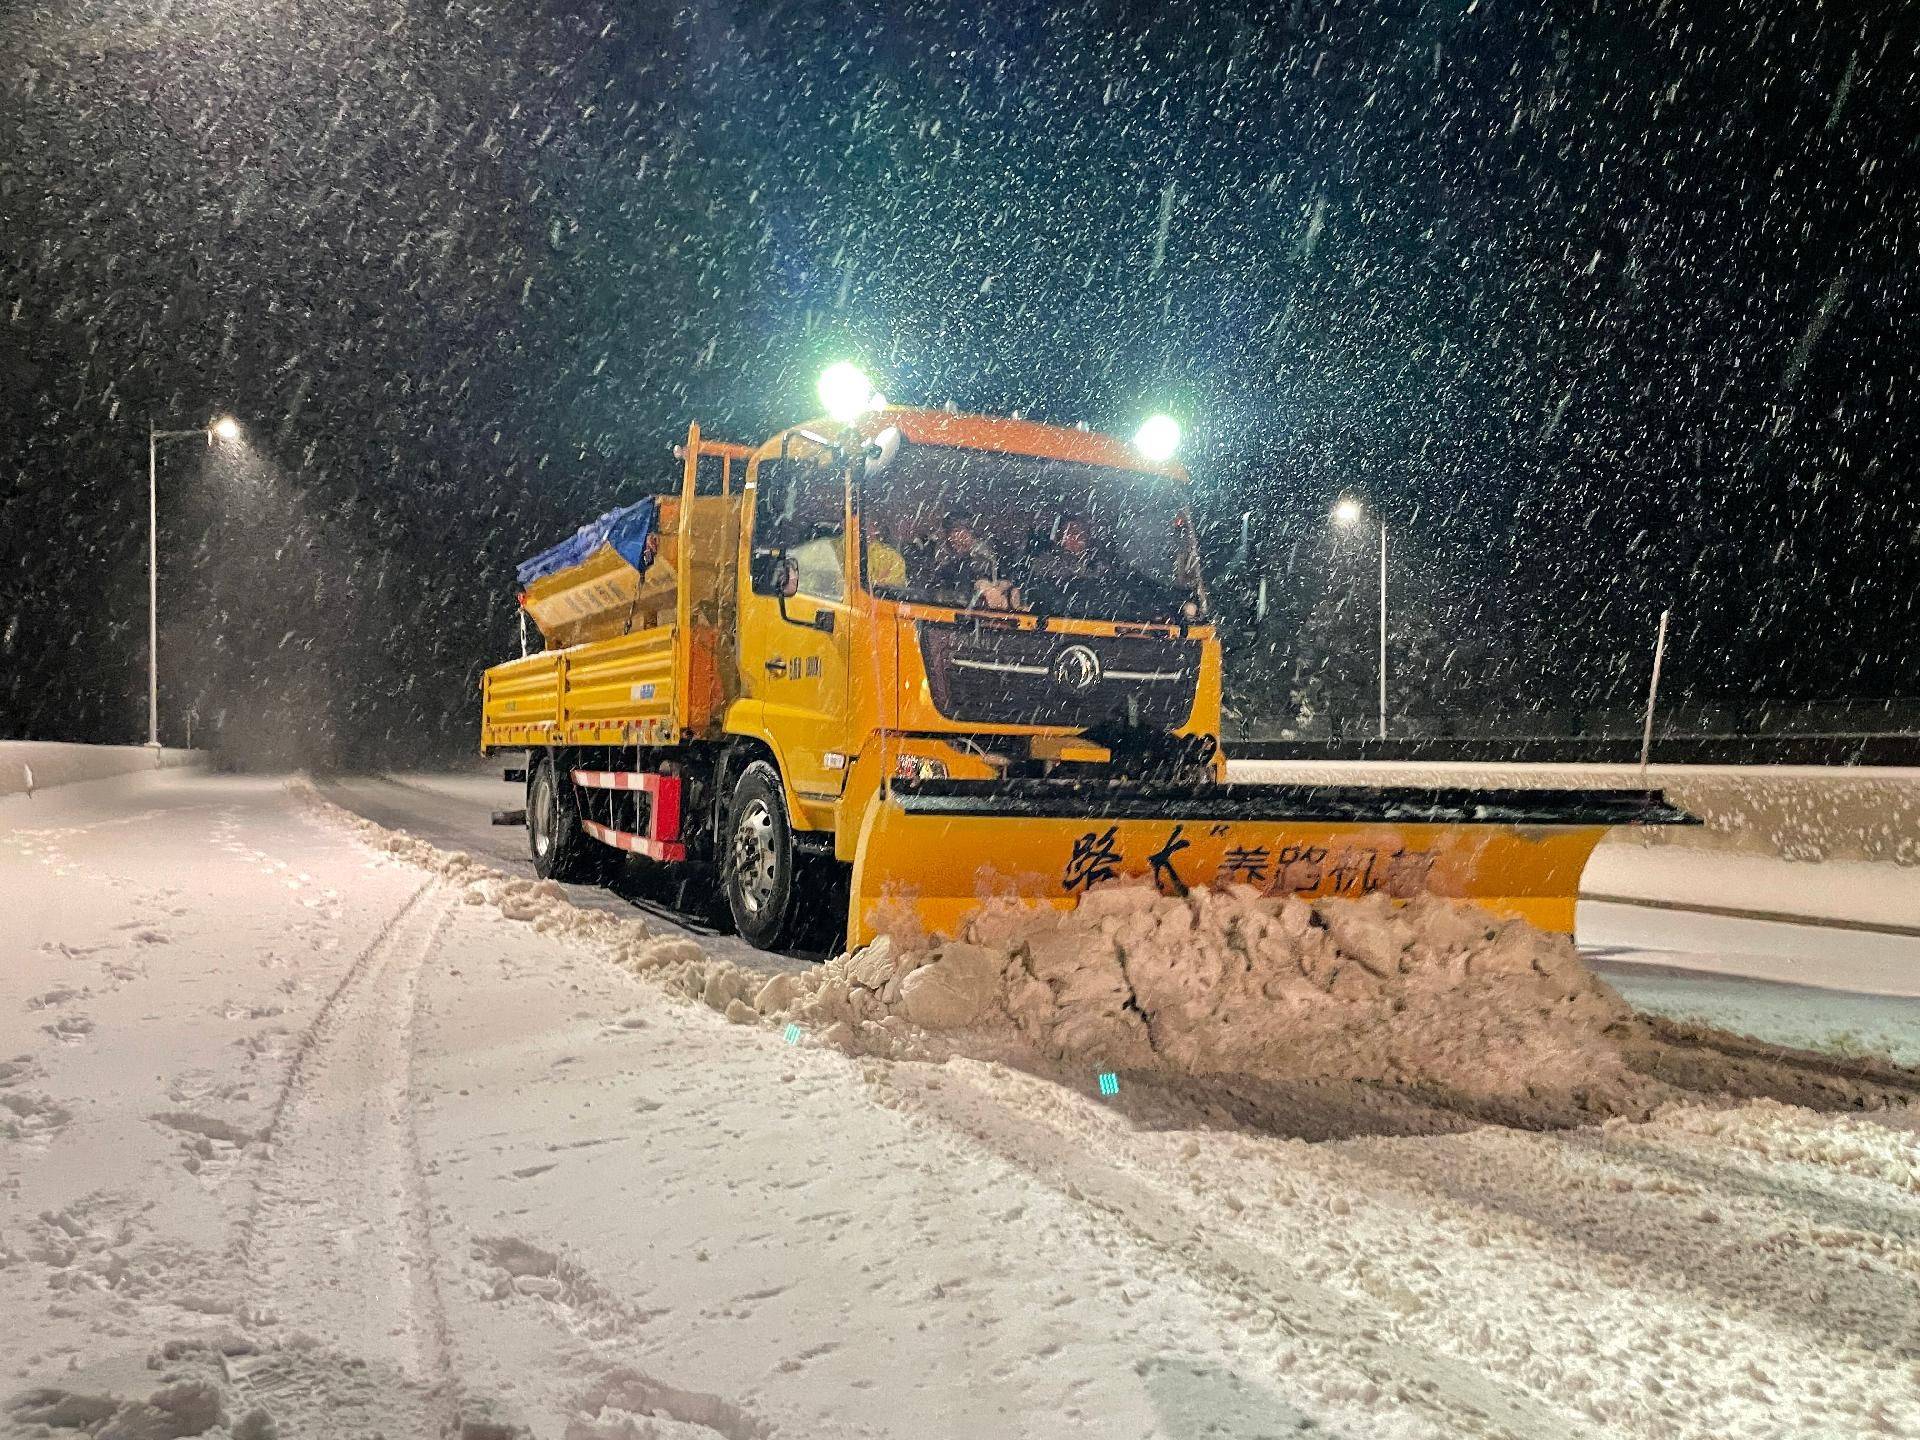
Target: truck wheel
{"x": 561, "y": 849}
{"x": 759, "y": 861}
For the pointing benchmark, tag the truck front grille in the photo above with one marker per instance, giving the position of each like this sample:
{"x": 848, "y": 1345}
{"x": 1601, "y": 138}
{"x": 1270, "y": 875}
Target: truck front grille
{"x": 1034, "y": 677}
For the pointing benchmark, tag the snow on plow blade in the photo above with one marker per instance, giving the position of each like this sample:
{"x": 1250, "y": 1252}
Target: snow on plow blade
{"x": 931, "y": 850}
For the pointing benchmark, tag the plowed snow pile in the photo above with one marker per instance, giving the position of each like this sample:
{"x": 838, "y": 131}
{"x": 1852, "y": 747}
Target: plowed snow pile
{"x": 1223, "y": 983}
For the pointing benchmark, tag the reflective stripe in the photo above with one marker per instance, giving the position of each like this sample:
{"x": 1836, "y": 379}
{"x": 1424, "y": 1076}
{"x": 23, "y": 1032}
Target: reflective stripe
{"x": 638, "y": 844}
{"x": 614, "y": 779}
{"x": 662, "y": 840}
{"x": 1208, "y": 801}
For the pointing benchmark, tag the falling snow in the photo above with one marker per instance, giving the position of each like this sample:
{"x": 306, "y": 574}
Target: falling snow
{"x": 1532, "y": 284}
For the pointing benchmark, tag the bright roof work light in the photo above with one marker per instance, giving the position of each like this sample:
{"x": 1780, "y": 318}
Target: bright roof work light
{"x": 846, "y": 393}
{"x": 225, "y": 429}
{"x": 1157, "y": 438}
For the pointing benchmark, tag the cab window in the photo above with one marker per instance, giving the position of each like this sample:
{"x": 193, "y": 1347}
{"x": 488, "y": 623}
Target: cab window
{"x": 800, "y": 510}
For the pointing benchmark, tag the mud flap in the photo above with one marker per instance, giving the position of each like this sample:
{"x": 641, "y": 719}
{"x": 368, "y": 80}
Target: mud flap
{"x": 931, "y": 851}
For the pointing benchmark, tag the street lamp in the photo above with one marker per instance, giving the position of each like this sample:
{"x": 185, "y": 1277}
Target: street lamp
{"x": 222, "y": 429}
{"x": 1348, "y": 513}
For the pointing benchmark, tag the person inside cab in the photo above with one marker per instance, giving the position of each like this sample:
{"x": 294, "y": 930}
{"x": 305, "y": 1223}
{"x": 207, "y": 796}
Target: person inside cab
{"x": 964, "y": 569}
{"x": 1072, "y": 575}
{"x": 1063, "y": 572}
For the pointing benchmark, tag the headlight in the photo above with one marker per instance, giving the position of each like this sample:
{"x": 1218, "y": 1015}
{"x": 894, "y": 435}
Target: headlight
{"x": 1157, "y": 438}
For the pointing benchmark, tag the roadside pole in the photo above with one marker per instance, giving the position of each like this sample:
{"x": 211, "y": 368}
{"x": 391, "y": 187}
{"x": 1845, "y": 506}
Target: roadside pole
{"x": 153, "y": 590}
{"x": 220, "y": 429}
{"x": 1653, "y": 692}
{"x": 1383, "y": 628}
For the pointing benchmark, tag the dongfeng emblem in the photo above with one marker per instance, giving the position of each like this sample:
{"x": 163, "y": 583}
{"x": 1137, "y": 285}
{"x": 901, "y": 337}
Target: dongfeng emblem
{"x": 1076, "y": 668}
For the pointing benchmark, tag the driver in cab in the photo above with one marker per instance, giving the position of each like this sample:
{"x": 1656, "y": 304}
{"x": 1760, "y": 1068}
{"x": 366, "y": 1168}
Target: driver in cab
{"x": 964, "y": 571}
{"x": 1067, "y": 564}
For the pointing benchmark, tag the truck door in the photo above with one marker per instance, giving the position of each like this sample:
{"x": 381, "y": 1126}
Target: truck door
{"x": 795, "y": 662}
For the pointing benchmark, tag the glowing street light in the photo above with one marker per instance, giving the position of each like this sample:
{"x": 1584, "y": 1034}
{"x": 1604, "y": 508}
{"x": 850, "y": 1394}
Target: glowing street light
{"x": 1347, "y": 513}
{"x": 1157, "y": 438}
{"x": 222, "y": 429}
{"x": 845, "y": 392}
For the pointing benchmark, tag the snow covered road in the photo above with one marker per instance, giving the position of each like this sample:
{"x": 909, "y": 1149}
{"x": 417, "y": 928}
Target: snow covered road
{"x": 292, "y": 1126}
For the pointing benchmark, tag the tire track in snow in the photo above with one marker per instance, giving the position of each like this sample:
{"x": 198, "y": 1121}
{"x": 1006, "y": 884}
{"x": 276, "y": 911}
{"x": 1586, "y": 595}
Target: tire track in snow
{"x": 338, "y": 1246}
{"x": 1357, "y": 1338}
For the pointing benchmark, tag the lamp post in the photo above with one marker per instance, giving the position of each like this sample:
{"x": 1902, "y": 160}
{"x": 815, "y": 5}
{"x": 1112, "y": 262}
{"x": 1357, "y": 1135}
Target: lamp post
{"x": 223, "y": 428}
{"x": 1348, "y": 513}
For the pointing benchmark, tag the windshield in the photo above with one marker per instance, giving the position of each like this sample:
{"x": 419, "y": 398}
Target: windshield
{"x": 987, "y": 530}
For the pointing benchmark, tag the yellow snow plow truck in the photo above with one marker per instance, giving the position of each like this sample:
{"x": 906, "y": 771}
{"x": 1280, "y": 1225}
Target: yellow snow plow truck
{"x": 917, "y": 659}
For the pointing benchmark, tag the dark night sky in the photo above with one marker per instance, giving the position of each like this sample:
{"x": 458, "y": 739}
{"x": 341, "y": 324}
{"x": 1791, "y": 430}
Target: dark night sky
{"x": 1604, "y": 313}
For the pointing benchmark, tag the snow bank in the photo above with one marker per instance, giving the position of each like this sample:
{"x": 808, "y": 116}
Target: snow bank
{"x": 29, "y": 765}
{"x": 184, "y": 1405}
{"x": 1856, "y": 892}
{"x": 1770, "y": 1131}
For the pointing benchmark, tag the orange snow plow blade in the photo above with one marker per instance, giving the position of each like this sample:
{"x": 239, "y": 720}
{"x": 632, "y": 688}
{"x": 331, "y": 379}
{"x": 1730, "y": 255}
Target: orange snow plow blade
{"x": 931, "y": 851}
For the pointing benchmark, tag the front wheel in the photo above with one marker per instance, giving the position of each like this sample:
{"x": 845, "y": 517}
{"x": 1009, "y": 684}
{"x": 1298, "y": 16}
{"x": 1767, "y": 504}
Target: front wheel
{"x": 561, "y": 849}
{"x": 759, "y": 860}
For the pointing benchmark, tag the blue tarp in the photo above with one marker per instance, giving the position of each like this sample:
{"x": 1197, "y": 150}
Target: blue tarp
{"x": 626, "y": 530}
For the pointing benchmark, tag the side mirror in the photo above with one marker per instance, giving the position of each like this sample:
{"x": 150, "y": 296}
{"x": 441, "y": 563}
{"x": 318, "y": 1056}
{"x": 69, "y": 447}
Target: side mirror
{"x": 770, "y": 572}
{"x": 881, "y": 452}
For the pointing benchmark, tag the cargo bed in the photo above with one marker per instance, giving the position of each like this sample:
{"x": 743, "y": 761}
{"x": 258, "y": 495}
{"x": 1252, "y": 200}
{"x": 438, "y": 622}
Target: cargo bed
{"x": 633, "y": 609}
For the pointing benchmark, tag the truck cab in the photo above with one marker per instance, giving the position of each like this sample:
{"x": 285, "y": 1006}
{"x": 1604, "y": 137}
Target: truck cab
{"x": 933, "y": 595}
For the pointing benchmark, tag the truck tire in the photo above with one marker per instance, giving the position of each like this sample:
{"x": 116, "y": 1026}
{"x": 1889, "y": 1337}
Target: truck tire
{"x": 561, "y": 849}
{"x": 757, "y": 857}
